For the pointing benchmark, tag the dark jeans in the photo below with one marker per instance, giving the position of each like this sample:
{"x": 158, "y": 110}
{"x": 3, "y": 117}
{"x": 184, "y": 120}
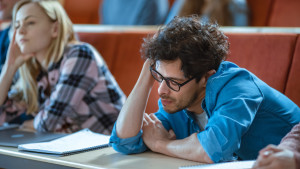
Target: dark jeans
{"x": 23, "y": 117}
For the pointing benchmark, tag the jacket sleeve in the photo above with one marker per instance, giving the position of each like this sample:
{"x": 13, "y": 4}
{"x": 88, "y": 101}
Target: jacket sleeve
{"x": 134, "y": 144}
{"x": 232, "y": 111}
{"x": 130, "y": 145}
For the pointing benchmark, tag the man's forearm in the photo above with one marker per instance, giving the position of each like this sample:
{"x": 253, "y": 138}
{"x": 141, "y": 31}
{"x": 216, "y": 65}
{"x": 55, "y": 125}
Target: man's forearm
{"x": 188, "y": 148}
{"x": 130, "y": 119}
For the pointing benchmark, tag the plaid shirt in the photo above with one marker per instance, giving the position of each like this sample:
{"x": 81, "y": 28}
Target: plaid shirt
{"x": 75, "y": 93}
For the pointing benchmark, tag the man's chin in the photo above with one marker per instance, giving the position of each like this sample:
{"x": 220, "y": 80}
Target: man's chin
{"x": 170, "y": 111}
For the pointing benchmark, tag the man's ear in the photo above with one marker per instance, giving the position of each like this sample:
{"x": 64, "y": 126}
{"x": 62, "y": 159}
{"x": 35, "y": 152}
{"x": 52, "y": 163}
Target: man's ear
{"x": 210, "y": 73}
{"x": 55, "y": 29}
{"x": 207, "y": 75}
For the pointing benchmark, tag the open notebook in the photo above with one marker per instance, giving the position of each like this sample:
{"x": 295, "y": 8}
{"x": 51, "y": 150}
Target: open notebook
{"x": 83, "y": 140}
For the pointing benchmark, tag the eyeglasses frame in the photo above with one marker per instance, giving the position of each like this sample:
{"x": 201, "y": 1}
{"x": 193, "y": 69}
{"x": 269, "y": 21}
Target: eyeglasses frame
{"x": 167, "y": 80}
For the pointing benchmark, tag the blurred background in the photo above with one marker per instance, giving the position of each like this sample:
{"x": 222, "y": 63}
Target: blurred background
{"x": 273, "y": 13}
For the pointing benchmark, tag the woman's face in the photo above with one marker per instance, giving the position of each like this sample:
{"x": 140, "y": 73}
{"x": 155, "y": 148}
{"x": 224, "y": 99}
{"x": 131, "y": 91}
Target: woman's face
{"x": 34, "y": 29}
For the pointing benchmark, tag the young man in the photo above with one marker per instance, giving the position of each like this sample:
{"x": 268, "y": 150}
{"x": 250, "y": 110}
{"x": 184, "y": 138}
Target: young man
{"x": 210, "y": 110}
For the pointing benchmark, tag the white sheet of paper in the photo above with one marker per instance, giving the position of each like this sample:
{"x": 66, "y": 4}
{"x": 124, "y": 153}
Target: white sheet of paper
{"x": 225, "y": 165}
{"x": 81, "y": 140}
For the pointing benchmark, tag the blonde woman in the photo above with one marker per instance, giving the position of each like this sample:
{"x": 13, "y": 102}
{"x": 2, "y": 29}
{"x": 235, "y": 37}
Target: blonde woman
{"x": 65, "y": 84}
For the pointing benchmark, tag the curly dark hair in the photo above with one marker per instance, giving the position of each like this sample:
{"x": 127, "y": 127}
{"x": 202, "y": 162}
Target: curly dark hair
{"x": 200, "y": 46}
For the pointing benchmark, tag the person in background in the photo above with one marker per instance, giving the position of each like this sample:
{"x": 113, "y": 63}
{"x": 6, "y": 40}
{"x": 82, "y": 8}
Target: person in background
{"x": 284, "y": 156}
{"x": 224, "y": 12}
{"x": 64, "y": 83}
{"x": 133, "y": 12}
{"x": 6, "y": 7}
{"x": 210, "y": 110}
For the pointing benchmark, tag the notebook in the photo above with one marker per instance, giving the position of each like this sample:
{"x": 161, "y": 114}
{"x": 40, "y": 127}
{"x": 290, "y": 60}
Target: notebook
{"x": 225, "y": 165}
{"x": 83, "y": 140}
{"x": 12, "y": 136}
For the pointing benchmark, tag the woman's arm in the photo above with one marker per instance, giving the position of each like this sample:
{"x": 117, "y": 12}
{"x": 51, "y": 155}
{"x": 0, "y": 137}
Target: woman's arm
{"x": 6, "y": 79}
{"x": 13, "y": 61}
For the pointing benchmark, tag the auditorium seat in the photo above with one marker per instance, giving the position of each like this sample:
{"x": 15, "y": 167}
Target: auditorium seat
{"x": 83, "y": 12}
{"x": 293, "y": 83}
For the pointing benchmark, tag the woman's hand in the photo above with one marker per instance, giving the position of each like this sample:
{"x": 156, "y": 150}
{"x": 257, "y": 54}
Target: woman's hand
{"x": 28, "y": 125}
{"x": 15, "y": 58}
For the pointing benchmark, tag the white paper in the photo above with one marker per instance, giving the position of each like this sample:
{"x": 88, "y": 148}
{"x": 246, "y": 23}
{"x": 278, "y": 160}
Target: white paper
{"x": 225, "y": 165}
{"x": 79, "y": 141}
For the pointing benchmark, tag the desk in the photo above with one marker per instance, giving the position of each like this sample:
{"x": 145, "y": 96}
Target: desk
{"x": 102, "y": 158}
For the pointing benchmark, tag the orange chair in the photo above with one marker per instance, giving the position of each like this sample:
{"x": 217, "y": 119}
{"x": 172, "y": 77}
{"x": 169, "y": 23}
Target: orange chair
{"x": 279, "y": 13}
{"x": 293, "y": 82}
{"x": 268, "y": 56}
{"x": 83, "y": 12}
{"x": 171, "y": 3}
{"x": 285, "y": 13}
{"x": 128, "y": 65}
{"x": 106, "y": 44}
{"x": 259, "y": 11}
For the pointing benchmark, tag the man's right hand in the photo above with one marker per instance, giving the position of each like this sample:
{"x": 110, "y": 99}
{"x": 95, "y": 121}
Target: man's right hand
{"x": 130, "y": 119}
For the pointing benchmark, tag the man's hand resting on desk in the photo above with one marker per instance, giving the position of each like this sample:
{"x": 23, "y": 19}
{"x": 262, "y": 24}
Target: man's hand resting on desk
{"x": 154, "y": 132}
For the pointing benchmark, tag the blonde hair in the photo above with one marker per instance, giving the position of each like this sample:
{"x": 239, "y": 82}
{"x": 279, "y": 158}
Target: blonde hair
{"x": 27, "y": 83}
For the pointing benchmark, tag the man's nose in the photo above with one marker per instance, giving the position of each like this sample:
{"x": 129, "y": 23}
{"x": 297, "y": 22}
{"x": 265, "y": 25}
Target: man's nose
{"x": 163, "y": 88}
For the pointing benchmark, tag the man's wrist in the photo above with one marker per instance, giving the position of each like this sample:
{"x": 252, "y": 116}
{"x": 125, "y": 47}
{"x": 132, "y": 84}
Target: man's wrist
{"x": 160, "y": 146}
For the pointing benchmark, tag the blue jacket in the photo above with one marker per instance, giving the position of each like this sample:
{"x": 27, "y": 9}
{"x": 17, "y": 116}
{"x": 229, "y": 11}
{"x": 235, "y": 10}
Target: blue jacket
{"x": 244, "y": 115}
{"x": 4, "y": 43}
{"x": 134, "y": 12}
{"x": 238, "y": 10}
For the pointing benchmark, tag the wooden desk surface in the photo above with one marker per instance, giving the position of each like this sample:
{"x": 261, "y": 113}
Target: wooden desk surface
{"x": 102, "y": 158}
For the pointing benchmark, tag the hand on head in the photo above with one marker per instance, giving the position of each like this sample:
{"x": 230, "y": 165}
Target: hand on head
{"x": 274, "y": 157}
{"x": 14, "y": 55}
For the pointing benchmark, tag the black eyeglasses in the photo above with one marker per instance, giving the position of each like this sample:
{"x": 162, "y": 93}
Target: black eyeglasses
{"x": 170, "y": 83}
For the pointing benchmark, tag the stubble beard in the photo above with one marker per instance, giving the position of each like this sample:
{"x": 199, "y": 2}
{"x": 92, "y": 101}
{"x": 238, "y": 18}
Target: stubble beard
{"x": 179, "y": 106}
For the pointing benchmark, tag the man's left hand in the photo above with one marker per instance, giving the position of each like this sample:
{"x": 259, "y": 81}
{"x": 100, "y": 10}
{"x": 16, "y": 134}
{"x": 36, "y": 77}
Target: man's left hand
{"x": 154, "y": 133}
